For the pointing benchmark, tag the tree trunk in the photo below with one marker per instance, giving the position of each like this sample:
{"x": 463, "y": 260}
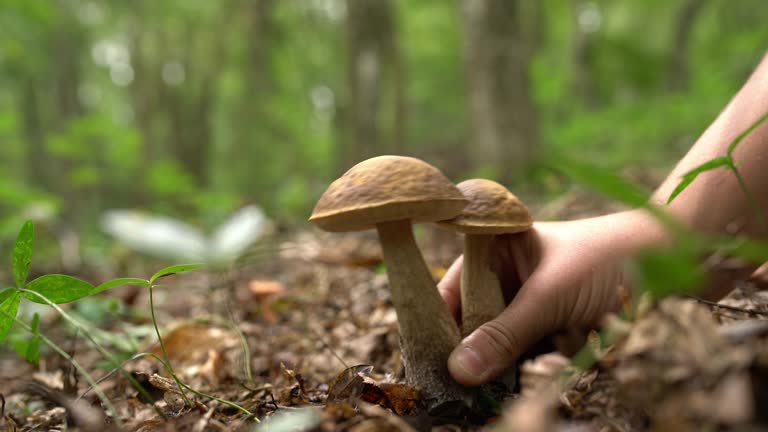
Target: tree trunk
{"x": 677, "y": 69}
{"x": 144, "y": 99}
{"x": 67, "y": 46}
{"x": 497, "y": 53}
{"x": 252, "y": 119}
{"x": 583, "y": 81}
{"x": 34, "y": 133}
{"x": 373, "y": 54}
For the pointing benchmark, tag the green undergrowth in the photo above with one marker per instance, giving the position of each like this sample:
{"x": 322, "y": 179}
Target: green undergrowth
{"x": 55, "y": 289}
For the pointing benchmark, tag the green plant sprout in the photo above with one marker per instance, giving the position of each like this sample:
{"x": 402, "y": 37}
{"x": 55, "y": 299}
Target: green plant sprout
{"x": 728, "y": 163}
{"x": 55, "y": 289}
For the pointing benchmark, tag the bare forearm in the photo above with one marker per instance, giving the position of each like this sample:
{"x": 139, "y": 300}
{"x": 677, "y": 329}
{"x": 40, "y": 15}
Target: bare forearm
{"x": 715, "y": 202}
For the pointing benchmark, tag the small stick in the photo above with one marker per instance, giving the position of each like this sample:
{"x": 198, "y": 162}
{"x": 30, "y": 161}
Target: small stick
{"x": 730, "y": 308}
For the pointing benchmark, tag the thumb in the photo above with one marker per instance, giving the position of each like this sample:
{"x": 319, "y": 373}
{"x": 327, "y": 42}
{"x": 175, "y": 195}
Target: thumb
{"x": 495, "y": 345}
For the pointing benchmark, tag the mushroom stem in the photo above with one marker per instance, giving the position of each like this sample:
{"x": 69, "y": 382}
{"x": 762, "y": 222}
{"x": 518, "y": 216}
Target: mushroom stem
{"x": 428, "y": 332}
{"x": 481, "y": 296}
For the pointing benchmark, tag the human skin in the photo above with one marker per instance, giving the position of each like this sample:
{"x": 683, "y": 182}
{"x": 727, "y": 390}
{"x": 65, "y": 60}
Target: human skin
{"x": 565, "y": 274}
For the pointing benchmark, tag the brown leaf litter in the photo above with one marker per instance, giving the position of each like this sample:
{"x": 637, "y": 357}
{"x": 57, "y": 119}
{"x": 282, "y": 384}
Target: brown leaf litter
{"x": 318, "y": 319}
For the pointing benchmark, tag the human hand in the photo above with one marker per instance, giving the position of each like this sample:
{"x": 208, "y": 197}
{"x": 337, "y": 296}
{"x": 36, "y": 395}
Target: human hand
{"x": 565, "y": 275}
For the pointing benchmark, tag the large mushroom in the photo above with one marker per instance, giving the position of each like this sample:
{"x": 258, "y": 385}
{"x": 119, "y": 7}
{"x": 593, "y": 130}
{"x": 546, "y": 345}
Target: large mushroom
{"x": 492, "y": 210}
{"x": 390, "y": 193}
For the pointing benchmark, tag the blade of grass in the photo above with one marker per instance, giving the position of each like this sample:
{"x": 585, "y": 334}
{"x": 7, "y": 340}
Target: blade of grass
{"x": 181, "y": 268}
{"x": 691, "y": 175}
{"x": 737, "y": 141}
{"x": 88, "y": 378}
{"x": 89, "y": 336}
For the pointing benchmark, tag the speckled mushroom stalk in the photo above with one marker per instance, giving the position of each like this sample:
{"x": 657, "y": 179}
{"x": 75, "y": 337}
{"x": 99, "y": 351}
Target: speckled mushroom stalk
{"x": 390, "y": 193}
{"x": 427, "y": 329}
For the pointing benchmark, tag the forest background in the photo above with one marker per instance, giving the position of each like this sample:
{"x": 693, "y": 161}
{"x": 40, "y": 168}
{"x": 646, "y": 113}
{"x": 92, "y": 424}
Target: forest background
{"x": 194, "y": 108}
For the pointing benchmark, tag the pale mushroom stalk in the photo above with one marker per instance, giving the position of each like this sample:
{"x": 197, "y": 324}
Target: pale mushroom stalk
{"x": 428, "y": 331}
{"x": 484, "y": 301}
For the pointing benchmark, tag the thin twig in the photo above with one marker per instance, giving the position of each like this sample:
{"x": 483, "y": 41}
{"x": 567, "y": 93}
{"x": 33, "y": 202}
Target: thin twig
{"x": 329, "y": 348}
{"x": 730, "y": 308}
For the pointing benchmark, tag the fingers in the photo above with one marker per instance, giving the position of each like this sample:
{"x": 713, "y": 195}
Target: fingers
{"x": 495, "y": 345}
{"x": 449, "y": 287}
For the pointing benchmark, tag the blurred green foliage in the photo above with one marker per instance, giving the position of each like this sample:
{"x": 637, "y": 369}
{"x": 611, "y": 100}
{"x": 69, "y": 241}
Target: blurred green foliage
{"x": 195, "y": 108}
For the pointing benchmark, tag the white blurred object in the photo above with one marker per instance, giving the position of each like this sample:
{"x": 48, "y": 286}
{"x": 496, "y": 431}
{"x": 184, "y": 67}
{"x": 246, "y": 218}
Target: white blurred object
{"x": 234, "y": 236}
{"x": 166, "y": 237}
{"x": 296, "y": 420}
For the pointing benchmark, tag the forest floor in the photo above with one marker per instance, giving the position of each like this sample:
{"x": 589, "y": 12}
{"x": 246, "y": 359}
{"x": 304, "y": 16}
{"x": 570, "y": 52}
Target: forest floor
{"x": 315, "y": 347}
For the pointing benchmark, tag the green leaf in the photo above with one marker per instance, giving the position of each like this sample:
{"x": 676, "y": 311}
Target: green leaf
{"x": 180, "y": 268}
{"x": 670, "y": 271}
{"x": 58, "y": 288}
{"x": 8, "y": 310}
{"x": 744, "y": 134}
{"x": 691, "y": 175}
{"x": 603, "y": 181}
{"x": 29, "y": 349}
{"x": 4, "y": 294}
{"x": 22, "y": 253}
{"x": 117, "y": 282}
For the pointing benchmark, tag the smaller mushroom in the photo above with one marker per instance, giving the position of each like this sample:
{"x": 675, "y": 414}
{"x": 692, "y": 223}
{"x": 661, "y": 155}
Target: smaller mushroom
{"x": 492, "y": 210}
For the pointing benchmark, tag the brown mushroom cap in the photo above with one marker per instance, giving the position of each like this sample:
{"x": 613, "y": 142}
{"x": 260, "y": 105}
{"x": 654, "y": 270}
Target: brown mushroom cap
{"x": 387, "y": 188}
{"x": 492, "y": 209}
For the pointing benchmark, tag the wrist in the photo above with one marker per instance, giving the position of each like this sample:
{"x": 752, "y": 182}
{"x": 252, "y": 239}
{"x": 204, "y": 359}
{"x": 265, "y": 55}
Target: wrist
{"x": 636, "y": 230}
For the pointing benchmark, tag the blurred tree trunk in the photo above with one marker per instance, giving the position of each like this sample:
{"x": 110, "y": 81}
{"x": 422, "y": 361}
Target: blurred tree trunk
{"x": 373, "y": 54}
{"x": 190, "y": 103}
{"x": 497, "y": 53}
{"x": 144, "y": 99}
{"x": 677, "y": 69}
{"x": 584, "y": 86}
{"x": 36, "y": 157}
{"x": 252, "y": 118}
{"x": 399, "y": 82}
{"x": 67, "y": 46}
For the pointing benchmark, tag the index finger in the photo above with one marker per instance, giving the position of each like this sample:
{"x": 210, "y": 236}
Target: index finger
{"x": 450, "y": 287}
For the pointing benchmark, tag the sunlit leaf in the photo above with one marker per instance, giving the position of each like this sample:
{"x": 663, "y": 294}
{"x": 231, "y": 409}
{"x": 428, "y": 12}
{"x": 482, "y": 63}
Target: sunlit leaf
{"x": 58, "y": 288}
{"x": 691, "y": 175}
{"x": 8, "y": 310}
{"x": 7, "y": 292}
{"x": 118, "y": 282}
{"x": 180, "y": 268}
{"x": 603, "y": 182}
{"x": 22, "y": 253}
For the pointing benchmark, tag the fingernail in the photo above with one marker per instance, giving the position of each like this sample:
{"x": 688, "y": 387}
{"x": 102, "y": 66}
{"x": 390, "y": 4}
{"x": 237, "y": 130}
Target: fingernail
{"x": 469, "y": 362}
